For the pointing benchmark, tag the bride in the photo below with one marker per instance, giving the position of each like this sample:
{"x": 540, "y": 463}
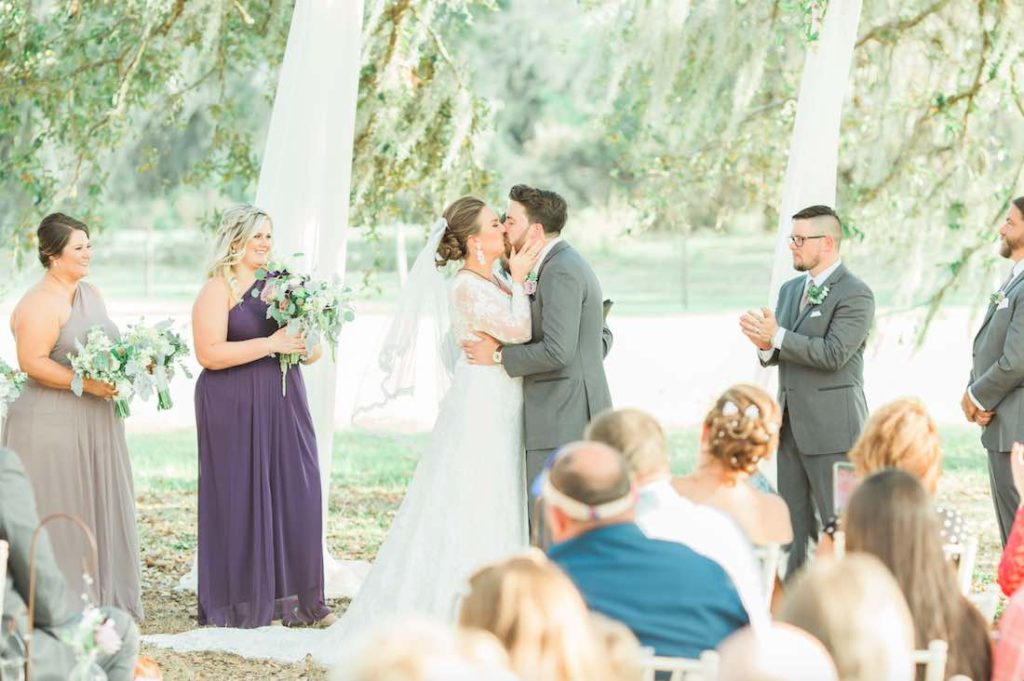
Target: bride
{"x": 465, "y": 505}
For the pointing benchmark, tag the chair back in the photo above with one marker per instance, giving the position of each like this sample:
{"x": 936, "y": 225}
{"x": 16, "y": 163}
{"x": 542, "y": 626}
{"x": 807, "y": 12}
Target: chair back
{"x": 768, "y": 556}
{"x": 5, "y": 549}
{"x": 966, "y": 554}
{"x": 934, "y": 660}
{"x": 681, "y": 668}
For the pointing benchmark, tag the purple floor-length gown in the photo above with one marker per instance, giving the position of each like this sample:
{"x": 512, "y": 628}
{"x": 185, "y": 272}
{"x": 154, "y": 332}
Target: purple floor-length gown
{"x": 260, "y": 555}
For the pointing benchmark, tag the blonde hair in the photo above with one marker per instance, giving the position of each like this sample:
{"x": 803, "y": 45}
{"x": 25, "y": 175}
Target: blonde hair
{"x": 856, "y": 609}
{"x": 623, "y": 651}
{"x": 534, "y": 609}
{"x": 237, "y": 226}
{"x": 419, "y": 649}
{"x": 900, "y": 434}
{"x": 636, "y": 435}
{"x": 743, "y": 427}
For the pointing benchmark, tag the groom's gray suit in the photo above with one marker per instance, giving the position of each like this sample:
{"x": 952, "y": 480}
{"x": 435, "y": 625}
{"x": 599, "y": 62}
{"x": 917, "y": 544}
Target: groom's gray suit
{"x": 997, "y": 383}
{"x": 564, "y": 384}
{"x": 821, "y": 392}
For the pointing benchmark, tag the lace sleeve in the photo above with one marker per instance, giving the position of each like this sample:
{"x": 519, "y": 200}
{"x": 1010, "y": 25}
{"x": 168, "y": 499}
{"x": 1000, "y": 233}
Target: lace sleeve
{"x": 487, "y": 308}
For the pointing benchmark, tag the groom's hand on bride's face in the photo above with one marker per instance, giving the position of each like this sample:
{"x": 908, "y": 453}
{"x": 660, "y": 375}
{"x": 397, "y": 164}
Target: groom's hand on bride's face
{"x": 481, "y": 351}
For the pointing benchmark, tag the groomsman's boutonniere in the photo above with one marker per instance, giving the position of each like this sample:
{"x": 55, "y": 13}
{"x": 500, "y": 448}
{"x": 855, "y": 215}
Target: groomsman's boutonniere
{"x": 997, "y": 297}
{"x": 530, "y": 285}
{"x": 816, "y": 294}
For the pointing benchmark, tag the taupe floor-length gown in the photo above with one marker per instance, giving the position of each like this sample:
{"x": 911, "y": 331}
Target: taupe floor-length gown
{"x": 75, "y": 454}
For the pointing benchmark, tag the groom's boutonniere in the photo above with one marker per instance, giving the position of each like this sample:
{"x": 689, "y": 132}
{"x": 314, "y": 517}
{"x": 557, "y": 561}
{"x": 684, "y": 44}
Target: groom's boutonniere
{"x": 816, "y": 294}
{"x": 997, "y": 297}
{"x": 530, "y": 285}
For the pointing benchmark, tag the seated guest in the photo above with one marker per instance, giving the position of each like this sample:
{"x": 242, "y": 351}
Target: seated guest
{"x": 420, "y": 649}
{"x": 52, "y": 658}
{"x": 780, "y": 652}
{"x": 1008, "y": 661}
{"x": 675, "y": 601}
{"x": 662, "y": 514}
{"x": 741, "y": 430}
{"x": 622, "y": 650}
{"x": 891, "y": 517}
{"x": 855, "y": 608}
{"x": 903, "y": 435}
{"x": 1011, "y": 566}
{"x": 535, "y": 611}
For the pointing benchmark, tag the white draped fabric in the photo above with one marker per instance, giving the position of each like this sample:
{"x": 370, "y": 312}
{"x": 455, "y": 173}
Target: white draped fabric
{"x": 814, "y": 149}
{"x": 304, "y": 186}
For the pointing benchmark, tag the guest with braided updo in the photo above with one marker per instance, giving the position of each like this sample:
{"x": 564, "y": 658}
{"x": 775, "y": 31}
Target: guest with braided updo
{"x": 741, "y": 430}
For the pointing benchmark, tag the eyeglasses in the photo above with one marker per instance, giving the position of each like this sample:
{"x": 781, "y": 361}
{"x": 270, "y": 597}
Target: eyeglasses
{"x": 798, "y": 241}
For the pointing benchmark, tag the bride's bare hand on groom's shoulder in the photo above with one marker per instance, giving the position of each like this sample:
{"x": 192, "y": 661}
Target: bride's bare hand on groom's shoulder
{"x": 522, "y": 261}
{"x": 481, "y": 351}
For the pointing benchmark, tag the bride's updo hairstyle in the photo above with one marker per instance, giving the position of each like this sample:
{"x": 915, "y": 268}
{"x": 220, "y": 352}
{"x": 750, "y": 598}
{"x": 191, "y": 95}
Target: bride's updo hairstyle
{"x": 461, "y": 216}
{"x": 237, "y": 226}
{"x": 742, "y": 428}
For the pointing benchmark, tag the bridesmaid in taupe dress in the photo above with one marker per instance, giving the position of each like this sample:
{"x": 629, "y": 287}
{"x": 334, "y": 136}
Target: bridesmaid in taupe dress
{"x": 73, "y": 448}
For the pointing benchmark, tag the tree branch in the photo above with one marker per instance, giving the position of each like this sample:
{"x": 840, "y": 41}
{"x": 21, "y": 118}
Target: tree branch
{"x": 882, "y": 33}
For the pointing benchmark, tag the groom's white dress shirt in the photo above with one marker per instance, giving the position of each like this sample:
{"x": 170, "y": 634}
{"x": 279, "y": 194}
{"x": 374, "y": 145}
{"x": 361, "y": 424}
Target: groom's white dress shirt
{"x": 817, "y": 281}
{"x": 544, "y": 253}
{"x": 661, "y": 513}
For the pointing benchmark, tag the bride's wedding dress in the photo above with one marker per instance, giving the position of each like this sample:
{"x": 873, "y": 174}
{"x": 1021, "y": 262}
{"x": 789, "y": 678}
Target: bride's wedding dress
{"x": 465, "y": 505}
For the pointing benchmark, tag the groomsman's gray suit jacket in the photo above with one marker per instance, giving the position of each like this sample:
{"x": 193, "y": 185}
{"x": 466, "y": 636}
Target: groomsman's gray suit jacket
{"x": 997, "y": 370}
{"x": 52, "y": 658}
{"x": 821, "y": 363}
{"x": 564, "y": 383}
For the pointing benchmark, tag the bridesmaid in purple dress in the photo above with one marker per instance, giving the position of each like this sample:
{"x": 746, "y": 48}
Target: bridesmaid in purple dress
{"x": 260, "y": 555}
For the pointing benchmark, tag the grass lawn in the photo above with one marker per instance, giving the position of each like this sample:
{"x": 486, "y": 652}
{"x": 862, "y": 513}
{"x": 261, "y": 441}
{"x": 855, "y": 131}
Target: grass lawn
{"x": 368, "y": 480}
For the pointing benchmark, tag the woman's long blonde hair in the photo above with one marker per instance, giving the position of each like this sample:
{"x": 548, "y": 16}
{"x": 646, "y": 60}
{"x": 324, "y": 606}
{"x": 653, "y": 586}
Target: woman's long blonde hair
{"x": 236, "y": 228}
{"x": 534, "y": 609}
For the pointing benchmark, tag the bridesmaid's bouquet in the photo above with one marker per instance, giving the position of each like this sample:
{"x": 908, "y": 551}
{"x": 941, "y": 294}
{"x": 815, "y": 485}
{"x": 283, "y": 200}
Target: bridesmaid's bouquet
{"x": 313, "y": 307}
{"x": 155, "y": 352}
{"x": 11, "y": 383}
{"x": 103, "y": 359}
{"x": 142, "y": 363}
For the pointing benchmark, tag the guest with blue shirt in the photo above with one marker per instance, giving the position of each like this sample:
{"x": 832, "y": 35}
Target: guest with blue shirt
{"x": 674, "y": 600}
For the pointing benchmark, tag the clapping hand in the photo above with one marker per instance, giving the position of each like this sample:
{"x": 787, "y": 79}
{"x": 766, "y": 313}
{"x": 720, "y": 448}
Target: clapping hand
{"x": 760, "y": 327}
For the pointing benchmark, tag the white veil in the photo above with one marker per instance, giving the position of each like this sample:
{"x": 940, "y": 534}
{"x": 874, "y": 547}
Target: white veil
{"x": 413, "y": 368}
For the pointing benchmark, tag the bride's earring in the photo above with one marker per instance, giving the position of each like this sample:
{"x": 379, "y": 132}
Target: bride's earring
{"x": 480, "y": 254}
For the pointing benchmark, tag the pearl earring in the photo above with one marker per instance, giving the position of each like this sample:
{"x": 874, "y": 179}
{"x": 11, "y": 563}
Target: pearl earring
{"x": 480, "y": 254}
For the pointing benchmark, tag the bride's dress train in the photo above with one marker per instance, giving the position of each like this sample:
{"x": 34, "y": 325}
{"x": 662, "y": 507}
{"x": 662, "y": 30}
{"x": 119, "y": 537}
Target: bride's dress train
{"x": 465, "y": 505}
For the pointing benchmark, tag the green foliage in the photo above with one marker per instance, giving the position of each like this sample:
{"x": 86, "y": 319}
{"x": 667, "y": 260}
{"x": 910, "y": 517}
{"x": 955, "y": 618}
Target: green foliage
{"x": 97, "y": 100}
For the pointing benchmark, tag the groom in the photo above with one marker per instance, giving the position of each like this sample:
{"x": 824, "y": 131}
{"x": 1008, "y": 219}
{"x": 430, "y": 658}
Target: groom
{"x": 562, "y": 367}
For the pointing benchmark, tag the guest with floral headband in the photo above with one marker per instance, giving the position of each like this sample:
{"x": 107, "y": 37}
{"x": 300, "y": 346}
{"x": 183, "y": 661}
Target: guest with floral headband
{"x": 673, "y": 600}
{"x": 740, "y": 430}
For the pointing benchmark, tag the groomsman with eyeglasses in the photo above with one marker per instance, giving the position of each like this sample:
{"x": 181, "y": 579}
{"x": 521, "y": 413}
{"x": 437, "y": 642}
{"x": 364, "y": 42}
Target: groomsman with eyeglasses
{"x": 816, "y": 337}
{"x": 994, "y": 398}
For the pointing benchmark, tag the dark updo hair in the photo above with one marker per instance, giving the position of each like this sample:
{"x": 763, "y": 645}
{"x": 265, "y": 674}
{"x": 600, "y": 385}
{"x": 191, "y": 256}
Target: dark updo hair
{"x": 53, "y": 235}
{"x": 1019, "y": 202}
{"x": 461, "y": 216}
{"x": 743, "y": 427}
{"x": 543, "y": 206}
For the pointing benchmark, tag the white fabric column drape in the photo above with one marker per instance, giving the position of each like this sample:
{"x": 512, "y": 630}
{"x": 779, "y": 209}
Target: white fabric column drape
{"x": 814, "y": 149}
{"x": 304, "y": 185}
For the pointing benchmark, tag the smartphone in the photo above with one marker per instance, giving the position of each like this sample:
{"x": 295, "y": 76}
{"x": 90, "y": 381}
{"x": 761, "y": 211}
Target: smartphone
{"x": 608, "y": 306}
{"x": 844, "y": 481}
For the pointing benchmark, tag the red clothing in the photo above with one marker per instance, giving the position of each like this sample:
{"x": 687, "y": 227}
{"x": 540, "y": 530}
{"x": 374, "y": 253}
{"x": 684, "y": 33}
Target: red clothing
{"x": 1008, "y": 664}
{"x": 1011, "y": 566}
